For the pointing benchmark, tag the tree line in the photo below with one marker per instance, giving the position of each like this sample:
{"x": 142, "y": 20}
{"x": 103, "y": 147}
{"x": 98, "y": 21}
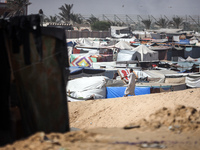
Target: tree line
{"x": 67, "y": 16}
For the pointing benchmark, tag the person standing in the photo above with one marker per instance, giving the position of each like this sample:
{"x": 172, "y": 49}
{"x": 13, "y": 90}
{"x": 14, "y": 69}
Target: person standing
{"x": 130, "y": 90}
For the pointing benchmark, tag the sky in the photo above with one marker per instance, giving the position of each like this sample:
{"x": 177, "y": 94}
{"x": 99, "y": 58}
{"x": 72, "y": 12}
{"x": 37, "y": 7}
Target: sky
{"x": 135, "y": 7}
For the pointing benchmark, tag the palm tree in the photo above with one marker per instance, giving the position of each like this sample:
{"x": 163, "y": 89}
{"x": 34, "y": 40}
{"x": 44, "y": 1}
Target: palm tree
{"x": 54, "y": 18}
{"x": 17, "y": 7}
{"x": 163, "y": 23}
{"x": 147, "y": 23}
{"x": 66, "y": 12}
{"x": 177, "y": 21}
{"x": 76, "y": 18}
{"x": 92, "y": 19}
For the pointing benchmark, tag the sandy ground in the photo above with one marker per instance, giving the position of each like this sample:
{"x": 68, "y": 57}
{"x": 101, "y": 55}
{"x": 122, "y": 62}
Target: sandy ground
{"x": 168, "y": 121}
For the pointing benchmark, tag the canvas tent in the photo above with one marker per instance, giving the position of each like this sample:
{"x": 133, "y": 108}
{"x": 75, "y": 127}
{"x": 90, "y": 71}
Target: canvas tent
{"x": 146, "y": 54}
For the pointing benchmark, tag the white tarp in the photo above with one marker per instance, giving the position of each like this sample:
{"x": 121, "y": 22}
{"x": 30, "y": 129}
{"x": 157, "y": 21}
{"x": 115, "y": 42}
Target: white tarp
{"x": 87, "y": 87}
{"x": 146, "y": 53}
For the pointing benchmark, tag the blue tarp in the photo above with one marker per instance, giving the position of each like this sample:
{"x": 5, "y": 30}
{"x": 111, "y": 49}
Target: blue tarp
{"x": 113, "y": 92}
{"x": 184, "y": 42}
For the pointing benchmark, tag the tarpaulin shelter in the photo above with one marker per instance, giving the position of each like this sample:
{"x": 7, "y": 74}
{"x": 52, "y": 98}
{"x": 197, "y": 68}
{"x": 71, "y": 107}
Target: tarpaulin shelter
{"x": 38, "y": 56}
{"x": 146, "y": 54}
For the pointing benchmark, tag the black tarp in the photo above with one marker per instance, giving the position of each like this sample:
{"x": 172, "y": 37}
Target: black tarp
{"x": 77, "y": 70}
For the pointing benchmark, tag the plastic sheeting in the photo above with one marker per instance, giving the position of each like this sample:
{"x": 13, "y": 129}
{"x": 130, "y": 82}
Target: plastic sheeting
{"x": 88, "y": 87}
{"x": 114, "y": 92}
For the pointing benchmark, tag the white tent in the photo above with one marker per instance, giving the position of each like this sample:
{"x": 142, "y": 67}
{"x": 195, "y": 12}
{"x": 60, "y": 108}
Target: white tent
{"x": 121, "y": 45}
{"x": 146, "y": 53}
{"x": 127, "y": 55}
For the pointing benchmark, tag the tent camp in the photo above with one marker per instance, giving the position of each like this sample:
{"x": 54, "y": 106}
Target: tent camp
{"x": 146, "y": 54}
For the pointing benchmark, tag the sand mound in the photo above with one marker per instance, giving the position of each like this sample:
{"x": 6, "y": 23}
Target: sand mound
{"x": 180, "y": 119}
{"x": 119, "y": 112}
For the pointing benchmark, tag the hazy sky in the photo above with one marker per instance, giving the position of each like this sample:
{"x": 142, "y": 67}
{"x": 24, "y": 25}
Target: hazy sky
{"x": 135, "y": 7}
